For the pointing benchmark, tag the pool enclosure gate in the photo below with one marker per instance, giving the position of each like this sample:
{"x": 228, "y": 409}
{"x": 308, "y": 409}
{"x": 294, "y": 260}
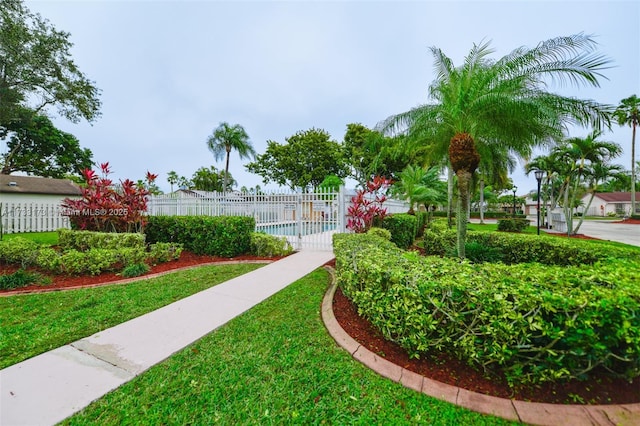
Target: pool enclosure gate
{"x": 307, "y": 219}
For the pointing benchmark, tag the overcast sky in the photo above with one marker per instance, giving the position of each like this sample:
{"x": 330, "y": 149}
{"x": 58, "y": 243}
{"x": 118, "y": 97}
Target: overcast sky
{"x": 171, "y": 71}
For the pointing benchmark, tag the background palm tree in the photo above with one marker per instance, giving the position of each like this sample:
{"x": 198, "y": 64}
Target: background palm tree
{"x": 504, "y": 103}
{"x": 172, "y": 178}
{"x": 226, "y": 138}
{"x": 628, "y": 112}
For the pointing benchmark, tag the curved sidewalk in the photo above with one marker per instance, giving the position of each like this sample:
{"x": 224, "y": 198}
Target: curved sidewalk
{"x": 50, "y": 387}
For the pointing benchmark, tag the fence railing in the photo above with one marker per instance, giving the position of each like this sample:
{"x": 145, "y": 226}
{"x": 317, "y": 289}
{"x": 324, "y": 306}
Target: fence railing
{"x": 31, "y": 217}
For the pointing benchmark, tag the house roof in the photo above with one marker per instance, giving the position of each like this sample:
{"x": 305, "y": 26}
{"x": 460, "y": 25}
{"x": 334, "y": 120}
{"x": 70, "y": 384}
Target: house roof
{"x": 616, "y": 197}
{"x": 11, "y": 184}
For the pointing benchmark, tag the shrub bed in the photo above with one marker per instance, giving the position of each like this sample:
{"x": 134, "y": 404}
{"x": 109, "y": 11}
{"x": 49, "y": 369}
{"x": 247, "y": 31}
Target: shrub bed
{"x": 91, "y": 261}
{"x": 85, "y": 240}
{"x": 533, "y": 322}
{"x": 522, "y": 248}
{"x": 269, "y": 245}
{"x": 225, "y": 236}
{"x": 513, "y": 225}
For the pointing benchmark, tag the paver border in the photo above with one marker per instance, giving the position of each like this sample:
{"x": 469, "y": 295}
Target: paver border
{"x": 514, "y": 410}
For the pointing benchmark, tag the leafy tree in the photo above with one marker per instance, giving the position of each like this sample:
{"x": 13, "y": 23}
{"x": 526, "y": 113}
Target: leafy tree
{"x": 486, "y": 102}
{"x": 331, "y": 183}
{"x": 628, "y": 112}
{"x": 210, "y": 180}
{"x": 37, "y": 147}
{"x": 303, "y": 161}
{"x": 226, "y": 138}
{"x": 172, "y": 178}
{"x": 36, "y": 68}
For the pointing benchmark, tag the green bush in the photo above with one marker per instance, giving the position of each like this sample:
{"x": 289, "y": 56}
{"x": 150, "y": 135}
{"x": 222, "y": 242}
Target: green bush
{"x": 85, "y": 240}
{"x": 163, "y": 252}
{"x": 534, "y": 323}
{"x": 438, "y": 225}
{"x": 513, "y": 225}
{"x": 269, "y": 245}
{"x": 421, "y": 222}
{"x": 402, "y": 227}
{"x": 20, "y": 278}
{"x": 478, "y": 253}
{"x": 225, "y": 236}
{"x": 380, "y": 232}
{"x": 18, "y": 250}
{"x": 135, "y": 270}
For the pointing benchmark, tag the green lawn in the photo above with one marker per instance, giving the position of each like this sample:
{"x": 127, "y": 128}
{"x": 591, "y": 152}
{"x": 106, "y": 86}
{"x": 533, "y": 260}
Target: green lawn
{"x": 275, "y": 364}
{"x": 36, "y": 323}
{"x": 48, "y": 238}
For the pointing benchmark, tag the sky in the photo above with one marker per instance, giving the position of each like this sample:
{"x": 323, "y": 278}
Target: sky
{"x": 171, "y": 71}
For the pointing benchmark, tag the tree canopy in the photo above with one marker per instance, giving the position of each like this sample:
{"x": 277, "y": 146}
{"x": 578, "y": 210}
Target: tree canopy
{"x": 37, "y": 147}
{"x": 36, "y": 68}
{"x": 304, "y": 161}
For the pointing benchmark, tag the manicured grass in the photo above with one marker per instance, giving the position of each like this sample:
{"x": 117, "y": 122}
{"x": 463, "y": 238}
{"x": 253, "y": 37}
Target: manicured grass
{"x": 48, "y": 238}
{"x": 275, "y": 364}
{"x": 36, "y": 323}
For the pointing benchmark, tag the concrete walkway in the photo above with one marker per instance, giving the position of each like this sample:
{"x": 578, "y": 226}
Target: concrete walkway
{"x": 48, "y": 388}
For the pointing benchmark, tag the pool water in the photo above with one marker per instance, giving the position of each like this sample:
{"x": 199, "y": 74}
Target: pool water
{"x": 289, "y": 229}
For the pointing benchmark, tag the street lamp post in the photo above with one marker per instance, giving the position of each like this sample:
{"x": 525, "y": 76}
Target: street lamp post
{"x": 539, "y": 174}
{"x": 514, "y": 189}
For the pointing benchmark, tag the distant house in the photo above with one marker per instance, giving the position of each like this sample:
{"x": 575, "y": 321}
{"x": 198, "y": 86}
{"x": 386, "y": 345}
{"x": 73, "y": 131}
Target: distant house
{"x": 29, "y": 189}
{"x": 610, "y": 203}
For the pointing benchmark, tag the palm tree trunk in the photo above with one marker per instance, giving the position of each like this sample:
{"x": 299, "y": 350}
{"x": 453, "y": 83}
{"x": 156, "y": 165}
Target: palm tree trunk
{"x": 464, "y": 180}
{"x": 481, "y": 201}
{"x": 450, "y": 197}
{"x": 633, "y": 170}
{"x": 226, "y": 174}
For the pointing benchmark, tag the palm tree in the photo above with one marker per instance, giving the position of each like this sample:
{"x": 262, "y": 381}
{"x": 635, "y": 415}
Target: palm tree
{"x": 576, "y": 155}
{"x": 226, "y": 138}
{"x": 596, "y": 174}
{"x": 505, "y": 103}
{"x": 628, "y": 112}
{"x": 172, "y": 178}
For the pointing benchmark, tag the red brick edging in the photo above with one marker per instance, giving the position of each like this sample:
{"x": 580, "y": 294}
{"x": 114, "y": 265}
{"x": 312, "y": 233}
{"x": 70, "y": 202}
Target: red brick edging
{"x": 514, "y": 410}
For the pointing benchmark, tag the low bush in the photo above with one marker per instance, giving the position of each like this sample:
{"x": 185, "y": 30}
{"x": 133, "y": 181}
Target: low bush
{"x": 85, "y": 240}
{"x": 478, "y": 253}
{"x": 18, "y": 250}
{"x": 421, "y": 222}
{"x": 163, "y": 252}
{"x": 20, "y": 278}
{"x": 135, "y": 270}
{"x": 402, "y": 227}
{"x": 438, "y": 225}
{"x": 380, "y": 232}
{"x": 269, "y": 245}
{"x": 513, "y": 225}
{"x": 532, "y": 322}
{"x": 225, "y": 236}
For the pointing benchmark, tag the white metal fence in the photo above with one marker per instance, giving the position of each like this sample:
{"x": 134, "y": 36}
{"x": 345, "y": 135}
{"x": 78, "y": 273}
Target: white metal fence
{"x": 31, "y": 217}
{"x": 307, "y": 220}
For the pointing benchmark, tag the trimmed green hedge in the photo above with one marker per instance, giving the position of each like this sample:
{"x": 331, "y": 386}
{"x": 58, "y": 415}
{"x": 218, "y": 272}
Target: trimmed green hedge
{"x": 521, "y": 248}
{"x": 513, "y": 225}
{"x": 533, "y": 322}
{"x": 402, "y": 227}
{"x": 91, "y": 261}
{"x": 85, "y": 240}
{"x": 225, "y": 236}
{"x": 269, "y": 245}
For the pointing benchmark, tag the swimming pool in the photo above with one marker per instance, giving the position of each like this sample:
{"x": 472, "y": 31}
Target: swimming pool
{"x": 291, "y": 228}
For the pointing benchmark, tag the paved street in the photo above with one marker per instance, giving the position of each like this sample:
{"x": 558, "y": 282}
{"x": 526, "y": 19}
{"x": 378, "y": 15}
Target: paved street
{"x": 612, "y": 231}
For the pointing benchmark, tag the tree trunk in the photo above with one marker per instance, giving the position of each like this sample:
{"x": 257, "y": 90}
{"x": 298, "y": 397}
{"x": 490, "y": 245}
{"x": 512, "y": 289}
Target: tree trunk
{"x": 450, "y": 197}
{"x": 633, "y": 170}
{"x": 464, "y": 180}
{"x": 482, "y": 201}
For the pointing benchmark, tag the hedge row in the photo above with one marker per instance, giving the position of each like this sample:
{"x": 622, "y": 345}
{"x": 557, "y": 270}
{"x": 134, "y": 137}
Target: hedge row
{"x": 522, "y": 248}
{"x": 92, "y": 261}
{"x": 225, "y": 236}
{"x": 85, "y": 240}
{"x": 533, "y": 322}
{"x": 403, "y": 228}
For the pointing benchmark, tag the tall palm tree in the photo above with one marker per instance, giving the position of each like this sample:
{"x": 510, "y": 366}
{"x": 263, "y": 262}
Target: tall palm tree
{"x": 505, "y": 102}
{"x": 628, "y": 112}
{"x": 597, "y": 174}
{"x": 576, "y": 155}
{"x": 226, "y": 138}
{"x": 172, "y": 178}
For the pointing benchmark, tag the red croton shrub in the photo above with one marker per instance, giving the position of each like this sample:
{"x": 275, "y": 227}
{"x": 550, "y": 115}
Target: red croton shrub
{"x": 366, "y": 206}
{"x": 106, "y": 207}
